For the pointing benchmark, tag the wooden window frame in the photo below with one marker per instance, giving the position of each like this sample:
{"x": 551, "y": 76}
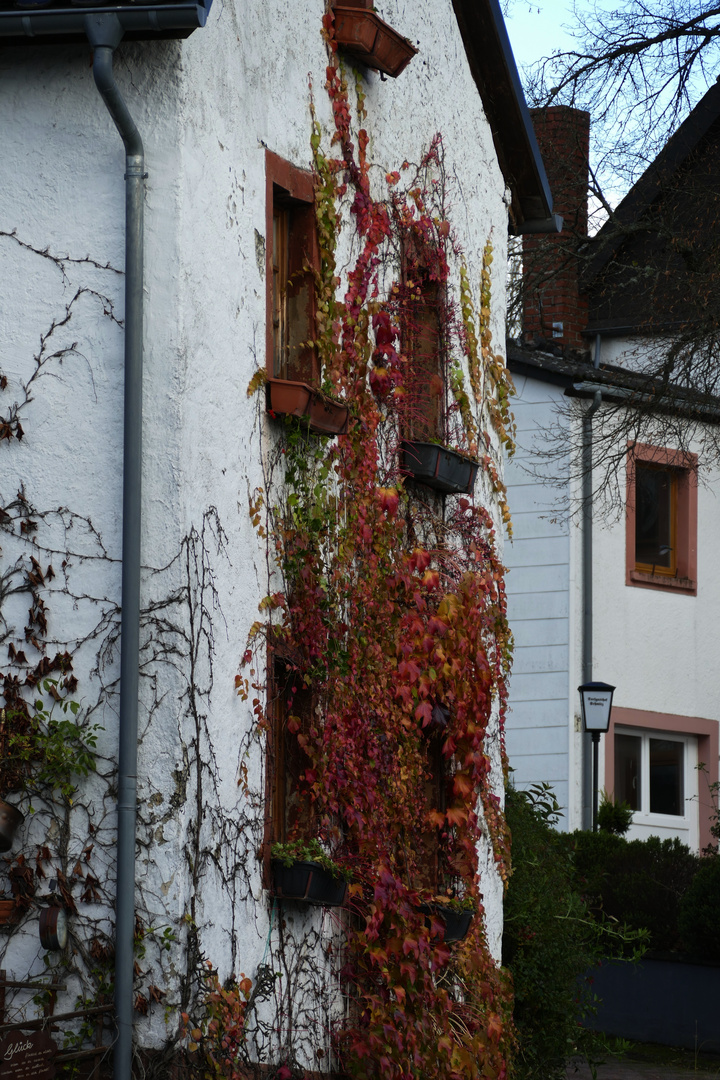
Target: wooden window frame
{"x": 673, "y": 479}
{"x": 290, "y": 194}
{"x": 423, "y": 428}
{"x": 436, "y": 795}
{"x": 276, "y": 780}
{"x": 682, "y": 576}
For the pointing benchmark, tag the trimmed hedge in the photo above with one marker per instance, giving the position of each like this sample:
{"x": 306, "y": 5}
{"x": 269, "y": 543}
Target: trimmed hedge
{"x": 550, "y": 942}
{"x": 699, "y": 920}
{"x": 575, "y": 899}
{"x": 638, "y": 882}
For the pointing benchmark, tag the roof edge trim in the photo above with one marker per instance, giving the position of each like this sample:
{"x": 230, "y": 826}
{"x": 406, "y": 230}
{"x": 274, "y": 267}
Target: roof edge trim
{"x": 494, "y": 70}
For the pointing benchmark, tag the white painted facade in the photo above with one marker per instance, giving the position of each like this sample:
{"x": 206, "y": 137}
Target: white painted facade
{"x": 207, "y": 108}
{"x": 657, "y": 647}
{"x": 540, "y": 606}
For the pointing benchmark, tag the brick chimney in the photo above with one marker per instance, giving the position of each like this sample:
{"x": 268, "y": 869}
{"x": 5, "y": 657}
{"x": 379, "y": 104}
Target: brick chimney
{"x": 553, "y": 307}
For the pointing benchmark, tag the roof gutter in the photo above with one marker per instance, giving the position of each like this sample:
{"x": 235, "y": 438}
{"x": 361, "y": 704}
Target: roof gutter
{"x": 104, "y": 32}
{"x": 104, "y": 28}
{"x": 551, "y": 224}
{"x": 51, "y": 25}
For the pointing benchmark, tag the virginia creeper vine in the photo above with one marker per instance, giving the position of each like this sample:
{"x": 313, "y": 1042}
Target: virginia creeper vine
{"x": 390, "y": 608}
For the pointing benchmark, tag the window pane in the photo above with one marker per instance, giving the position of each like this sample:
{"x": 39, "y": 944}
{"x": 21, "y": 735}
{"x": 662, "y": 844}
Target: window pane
{"x": 422, "y": 340}
{"x": 666, "y": 777}
{"x": 281, "y": 224}
{"x": 627, "y": 770}
{"x": 654, "y": 516}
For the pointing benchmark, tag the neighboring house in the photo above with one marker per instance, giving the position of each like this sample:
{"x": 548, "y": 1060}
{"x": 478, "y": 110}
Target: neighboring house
{"x": 627, "y": 594}
{"x": 303, "y": 223}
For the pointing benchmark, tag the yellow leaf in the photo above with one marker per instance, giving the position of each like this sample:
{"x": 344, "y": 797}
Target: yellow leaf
{"x": 259, "y": 379}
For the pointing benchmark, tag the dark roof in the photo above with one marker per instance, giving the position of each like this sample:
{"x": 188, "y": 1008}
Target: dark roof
{"x": 47, "y": 22}
{"x": 655, "y": 178}
{"x": 579, "y": 378}
{"x": 493, "y": 67}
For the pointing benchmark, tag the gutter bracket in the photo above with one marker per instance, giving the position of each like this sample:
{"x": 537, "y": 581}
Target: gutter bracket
{"x": 103, "y": 31}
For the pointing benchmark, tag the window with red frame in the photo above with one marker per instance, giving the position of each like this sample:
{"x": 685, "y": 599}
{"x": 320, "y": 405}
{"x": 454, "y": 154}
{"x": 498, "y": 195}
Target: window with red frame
{"x": 661, "y": 528}
{"x": 423, "y": 346}
{"x": 292, "y": 259}
{"x": 432, "y": 868}
{"x": 290, "y": 813}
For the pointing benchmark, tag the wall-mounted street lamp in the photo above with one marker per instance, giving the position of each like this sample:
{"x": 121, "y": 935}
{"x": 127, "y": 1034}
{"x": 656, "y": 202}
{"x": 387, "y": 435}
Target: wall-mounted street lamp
{"x": 596, "y": 703}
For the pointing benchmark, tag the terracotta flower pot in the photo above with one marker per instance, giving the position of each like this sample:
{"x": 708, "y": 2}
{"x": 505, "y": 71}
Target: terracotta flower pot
{"x": 325, "y": 416}
{"x": 8, "y": 912}
{"x": 10, "y": 821}
{"x": 365, "y": 36}
{"x": 439, "y": 467}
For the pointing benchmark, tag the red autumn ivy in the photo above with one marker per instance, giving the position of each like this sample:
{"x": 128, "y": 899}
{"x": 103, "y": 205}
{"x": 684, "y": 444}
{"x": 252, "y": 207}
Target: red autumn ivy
{"x": 393, "y": 610}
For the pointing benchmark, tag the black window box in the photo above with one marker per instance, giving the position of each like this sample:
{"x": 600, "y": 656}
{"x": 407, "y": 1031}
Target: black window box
{"x": 457, "y": 923}
{"x": 309, "y": 882}
{"x": 439, "y": 467}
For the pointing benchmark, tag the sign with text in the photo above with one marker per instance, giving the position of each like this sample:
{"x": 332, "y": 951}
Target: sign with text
{"x": 28, "y": 1056}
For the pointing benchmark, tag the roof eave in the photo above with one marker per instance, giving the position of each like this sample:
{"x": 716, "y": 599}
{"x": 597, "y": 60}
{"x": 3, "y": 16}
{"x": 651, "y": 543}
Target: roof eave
{"x": 495, "y": 73}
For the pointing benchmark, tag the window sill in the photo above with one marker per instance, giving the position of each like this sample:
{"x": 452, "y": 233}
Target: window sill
{"x": 661, "y": 581}
{"x": 661, "y": 821}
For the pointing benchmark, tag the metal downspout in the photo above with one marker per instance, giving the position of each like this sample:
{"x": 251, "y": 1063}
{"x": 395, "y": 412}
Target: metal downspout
{"x": 104, "y": 33}
{"x": 587, "y": 586}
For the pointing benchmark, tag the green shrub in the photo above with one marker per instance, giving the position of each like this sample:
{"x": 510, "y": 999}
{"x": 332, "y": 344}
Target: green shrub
{"x": 550, "y": 941}
{"x": 614, "y": 817}
{"x": 636, "y": 882}
{"x": 307, "y": 851}
{"x": 700, "y": 912}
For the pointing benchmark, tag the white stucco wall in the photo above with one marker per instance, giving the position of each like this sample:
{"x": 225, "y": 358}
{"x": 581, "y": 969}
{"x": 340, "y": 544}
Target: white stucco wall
{"x": 206, "y": 108}
{"x": 661, "y": 644}
{"x": 659, "y": 647}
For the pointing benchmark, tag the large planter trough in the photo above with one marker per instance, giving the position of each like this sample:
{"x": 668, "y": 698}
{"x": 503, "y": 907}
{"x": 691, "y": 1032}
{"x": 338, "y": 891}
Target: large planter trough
{"x": 309, "y": 882}
{"x": 439, "y": 467}
{"x": 323, "y": 414}
{"x": 364, "y": 35}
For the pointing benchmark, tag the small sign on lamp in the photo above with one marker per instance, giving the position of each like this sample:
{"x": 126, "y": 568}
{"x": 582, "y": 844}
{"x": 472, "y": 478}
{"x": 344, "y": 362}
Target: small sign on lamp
{"x": 596, "y": 701}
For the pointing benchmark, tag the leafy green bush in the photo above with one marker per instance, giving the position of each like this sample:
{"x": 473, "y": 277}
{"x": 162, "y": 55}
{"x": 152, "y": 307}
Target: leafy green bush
{"x": 550, "y": 942}
{"x": 307, "y": 851}
{"x": 700, "y": 912}
{"x": 48, "y": 748}
{"x": 637, "y": 882}
{"x": 614, "y": 817}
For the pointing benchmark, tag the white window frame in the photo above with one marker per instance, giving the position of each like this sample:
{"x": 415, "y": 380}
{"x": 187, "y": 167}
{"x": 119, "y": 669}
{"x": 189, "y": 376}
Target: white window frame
{"x": 644, "y": 824}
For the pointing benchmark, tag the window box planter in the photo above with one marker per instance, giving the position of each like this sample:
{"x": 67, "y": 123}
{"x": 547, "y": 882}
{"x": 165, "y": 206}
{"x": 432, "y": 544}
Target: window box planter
{"x": 309, "y": 882}
{"x": 367, "y": 38}
{"x": 324, "y": 415}
{"x": 457, "y": 923}
{"x": 439, "y": 467}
